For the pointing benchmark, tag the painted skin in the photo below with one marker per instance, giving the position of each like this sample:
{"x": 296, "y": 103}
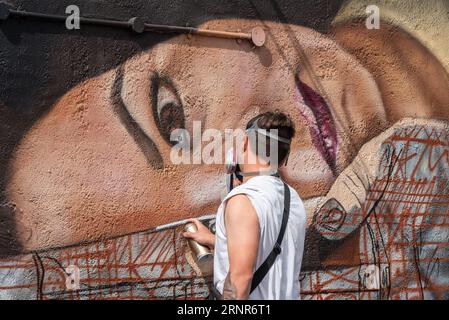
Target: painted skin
{"x": 98, "y": 163}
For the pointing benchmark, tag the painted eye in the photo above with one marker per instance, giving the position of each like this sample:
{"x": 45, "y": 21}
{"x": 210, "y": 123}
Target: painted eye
{"x": 167, "y": 109}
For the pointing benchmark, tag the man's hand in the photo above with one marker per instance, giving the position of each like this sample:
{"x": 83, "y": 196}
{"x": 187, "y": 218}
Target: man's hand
{"x": 203, "y": 236}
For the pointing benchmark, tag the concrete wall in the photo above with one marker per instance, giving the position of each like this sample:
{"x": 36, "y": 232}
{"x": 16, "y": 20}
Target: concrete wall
{"x": 85, "y": 170}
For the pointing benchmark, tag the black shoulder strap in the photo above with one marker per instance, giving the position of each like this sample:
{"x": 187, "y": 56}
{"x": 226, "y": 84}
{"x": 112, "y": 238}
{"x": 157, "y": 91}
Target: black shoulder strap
{"x": 262, "y": 271}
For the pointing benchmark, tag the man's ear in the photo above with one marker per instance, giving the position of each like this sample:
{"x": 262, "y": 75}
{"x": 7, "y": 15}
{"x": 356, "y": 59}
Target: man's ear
{"x": 245, "y": 143}
{"x": 244, "y": 150}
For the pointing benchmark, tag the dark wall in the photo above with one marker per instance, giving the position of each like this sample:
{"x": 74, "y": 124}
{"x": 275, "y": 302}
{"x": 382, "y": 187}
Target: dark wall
{"x": 53, "y": 59}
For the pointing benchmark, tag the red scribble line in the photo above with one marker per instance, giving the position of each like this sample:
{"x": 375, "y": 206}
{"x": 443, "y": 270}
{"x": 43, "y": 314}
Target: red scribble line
{"x": 24, "y": 286}
{"x": 319, "y": 285}
{"x": 428, "y": 141}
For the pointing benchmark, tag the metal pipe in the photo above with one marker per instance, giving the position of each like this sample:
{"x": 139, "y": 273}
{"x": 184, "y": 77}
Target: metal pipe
{"x": 257, "y": 35}
{"x": 202, "y": 32}
{"x": 62, "y": 18}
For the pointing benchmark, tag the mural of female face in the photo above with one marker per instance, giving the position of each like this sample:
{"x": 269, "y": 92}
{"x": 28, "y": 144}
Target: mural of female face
{"x": 97, "y": 164}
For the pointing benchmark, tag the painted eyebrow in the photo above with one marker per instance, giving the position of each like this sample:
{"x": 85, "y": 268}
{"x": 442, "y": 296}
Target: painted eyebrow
{"x": 145, "y": 143}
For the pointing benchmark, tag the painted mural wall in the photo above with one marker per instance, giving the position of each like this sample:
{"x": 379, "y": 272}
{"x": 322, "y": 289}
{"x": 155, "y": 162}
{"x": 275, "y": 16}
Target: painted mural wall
{"x": 86, "y": 117}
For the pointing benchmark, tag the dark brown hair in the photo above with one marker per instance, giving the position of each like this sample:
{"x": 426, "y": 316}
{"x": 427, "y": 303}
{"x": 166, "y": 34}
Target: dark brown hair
{"x": 275, "y": 120}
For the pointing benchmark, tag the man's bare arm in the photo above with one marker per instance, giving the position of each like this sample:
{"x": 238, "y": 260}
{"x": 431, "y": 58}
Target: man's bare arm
{"x": 242, "y": 228}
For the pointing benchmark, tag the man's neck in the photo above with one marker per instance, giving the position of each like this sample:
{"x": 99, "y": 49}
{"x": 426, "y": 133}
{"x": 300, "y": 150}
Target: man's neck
{"x": 250, "y": 168}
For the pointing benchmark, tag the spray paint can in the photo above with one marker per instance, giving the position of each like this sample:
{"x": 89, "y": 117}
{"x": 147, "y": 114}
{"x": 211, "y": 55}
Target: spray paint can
{"x": 203, "y": 254}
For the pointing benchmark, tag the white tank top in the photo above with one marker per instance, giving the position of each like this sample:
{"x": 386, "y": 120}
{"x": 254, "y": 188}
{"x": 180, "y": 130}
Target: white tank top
{"x": 266, "y": 194}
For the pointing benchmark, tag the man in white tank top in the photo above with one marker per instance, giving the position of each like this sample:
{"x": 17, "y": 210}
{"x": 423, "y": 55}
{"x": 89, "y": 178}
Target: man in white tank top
{"x": 249, "y": 219}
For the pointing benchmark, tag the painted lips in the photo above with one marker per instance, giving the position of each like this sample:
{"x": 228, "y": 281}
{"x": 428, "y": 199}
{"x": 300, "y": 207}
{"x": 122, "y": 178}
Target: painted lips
{"x": 321, "y": 124}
